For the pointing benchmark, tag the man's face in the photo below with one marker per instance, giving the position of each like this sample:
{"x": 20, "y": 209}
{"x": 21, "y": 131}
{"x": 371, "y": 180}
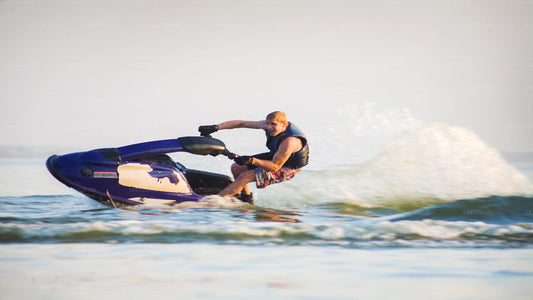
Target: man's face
{"x": 274, "y": 127}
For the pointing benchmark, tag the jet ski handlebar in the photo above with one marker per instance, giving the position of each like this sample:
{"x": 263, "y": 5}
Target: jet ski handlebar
{"x": 205, "y": 145}
{"x": 230, "y": 155}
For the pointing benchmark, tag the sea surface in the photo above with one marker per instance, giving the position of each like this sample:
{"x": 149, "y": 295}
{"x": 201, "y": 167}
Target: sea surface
{"x": 430, "y": 212}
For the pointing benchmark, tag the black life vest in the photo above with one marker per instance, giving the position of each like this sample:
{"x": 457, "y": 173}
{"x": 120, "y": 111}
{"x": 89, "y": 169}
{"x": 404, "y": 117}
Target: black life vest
{"x": 298, "y": 159}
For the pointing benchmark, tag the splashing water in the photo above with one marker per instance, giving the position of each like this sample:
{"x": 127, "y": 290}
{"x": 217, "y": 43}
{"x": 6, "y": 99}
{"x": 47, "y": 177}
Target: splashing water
{"x": 416, "y": 165}
{"x": 355, "y": 133}
{"x": 442, "y": 163}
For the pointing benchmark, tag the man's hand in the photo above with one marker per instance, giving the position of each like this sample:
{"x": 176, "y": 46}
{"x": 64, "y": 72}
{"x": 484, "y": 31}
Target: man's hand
{"x": 206, "y": 130}
{"x": 244, "y": 160}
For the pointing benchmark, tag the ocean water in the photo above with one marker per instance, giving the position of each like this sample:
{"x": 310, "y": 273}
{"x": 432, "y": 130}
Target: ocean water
{"x": 413, "y": 211}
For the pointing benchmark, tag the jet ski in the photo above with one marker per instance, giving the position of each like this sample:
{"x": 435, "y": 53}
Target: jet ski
{"x": 141, "y": 173}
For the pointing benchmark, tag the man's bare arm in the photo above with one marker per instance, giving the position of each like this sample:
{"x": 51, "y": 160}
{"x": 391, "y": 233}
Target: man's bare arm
{"x": 286, "y": 148}
{"x": 242, "y": 124}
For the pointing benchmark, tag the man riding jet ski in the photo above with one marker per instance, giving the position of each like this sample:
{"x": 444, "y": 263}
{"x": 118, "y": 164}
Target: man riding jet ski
{"x": 289, "y": 153}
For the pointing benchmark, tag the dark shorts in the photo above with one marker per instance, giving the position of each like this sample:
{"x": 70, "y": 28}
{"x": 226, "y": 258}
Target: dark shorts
{"x": 265, "y": 178}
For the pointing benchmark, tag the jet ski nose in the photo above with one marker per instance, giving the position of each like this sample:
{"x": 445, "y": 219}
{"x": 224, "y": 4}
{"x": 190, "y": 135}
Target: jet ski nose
{"x": 64, "y": 167}
{"x": 53, "y": 167}
{"x": 50, "y": 163}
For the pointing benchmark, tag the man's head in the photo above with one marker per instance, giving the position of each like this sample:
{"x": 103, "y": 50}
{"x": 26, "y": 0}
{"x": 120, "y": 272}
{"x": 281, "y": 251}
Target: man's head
{"x": 276, "y": 122}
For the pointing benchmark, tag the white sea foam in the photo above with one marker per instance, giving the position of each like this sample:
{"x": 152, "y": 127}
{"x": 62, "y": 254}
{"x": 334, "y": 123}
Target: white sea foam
{"x": 212, "y": 201}
{"x": 439, "y": 162}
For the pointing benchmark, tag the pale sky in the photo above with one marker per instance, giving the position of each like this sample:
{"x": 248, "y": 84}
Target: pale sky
{"x": 107, "y": 73}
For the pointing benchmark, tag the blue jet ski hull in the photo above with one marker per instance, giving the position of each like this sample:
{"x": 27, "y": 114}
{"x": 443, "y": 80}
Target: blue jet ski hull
{"x": 140, "y": 173}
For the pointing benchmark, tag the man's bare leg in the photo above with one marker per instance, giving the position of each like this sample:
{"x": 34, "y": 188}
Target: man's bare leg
{"x": 239, "y": 184}
{"x": 237, "y": 170}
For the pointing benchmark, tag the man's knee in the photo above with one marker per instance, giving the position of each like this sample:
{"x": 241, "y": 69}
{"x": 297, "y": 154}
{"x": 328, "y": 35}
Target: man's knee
{"x": 237, "y": 169}
{"x": 247, "y": 176}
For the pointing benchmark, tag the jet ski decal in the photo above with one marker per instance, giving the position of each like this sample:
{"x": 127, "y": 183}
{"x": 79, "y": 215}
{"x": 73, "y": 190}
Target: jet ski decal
{"x": 97, "y": 174}
{"x": 143, "y": 176}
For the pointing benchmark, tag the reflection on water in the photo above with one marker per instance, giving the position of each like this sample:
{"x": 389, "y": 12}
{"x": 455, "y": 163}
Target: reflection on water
{"x": 272, "y": 215}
